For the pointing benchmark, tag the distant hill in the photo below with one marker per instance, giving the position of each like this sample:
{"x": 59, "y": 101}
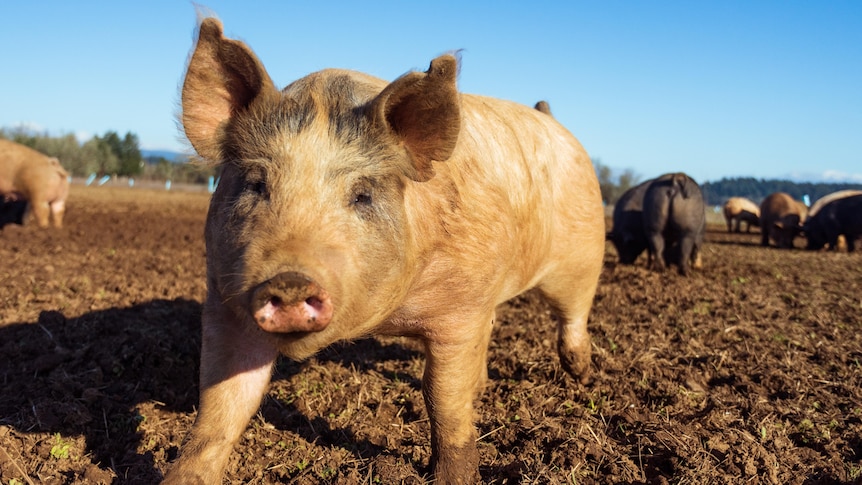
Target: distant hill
{"x": 171, "y": 156}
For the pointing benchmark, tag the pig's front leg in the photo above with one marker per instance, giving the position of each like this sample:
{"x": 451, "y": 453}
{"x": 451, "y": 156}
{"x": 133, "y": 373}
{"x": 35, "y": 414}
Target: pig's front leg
{"x": 455, "y": 370}
{"x": 236, "y": 366}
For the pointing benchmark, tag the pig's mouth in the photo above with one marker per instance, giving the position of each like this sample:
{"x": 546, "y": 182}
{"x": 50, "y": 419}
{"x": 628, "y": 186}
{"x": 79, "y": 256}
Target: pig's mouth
{"x": 291, "y": 302}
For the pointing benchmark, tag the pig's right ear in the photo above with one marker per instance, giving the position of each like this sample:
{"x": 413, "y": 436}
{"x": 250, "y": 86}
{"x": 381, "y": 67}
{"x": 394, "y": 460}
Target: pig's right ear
{"x": 422, "y": 112}
{"x": 223, "y": 78}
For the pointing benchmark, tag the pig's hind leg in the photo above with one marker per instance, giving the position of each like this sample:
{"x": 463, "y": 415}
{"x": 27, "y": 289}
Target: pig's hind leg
{"x": 571, "y": 297}
{"x": 236, "y": 367}
{"x": 655, "y": 260}
{"x": 41, "y": 211}
{"x": 58, "y": 208}
{"x": 688, "y": 254}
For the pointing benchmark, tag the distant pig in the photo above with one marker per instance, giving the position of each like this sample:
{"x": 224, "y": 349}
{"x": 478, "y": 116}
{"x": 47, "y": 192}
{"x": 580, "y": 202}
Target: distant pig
{"x": 349, "y": 206}
{"x": 674, "y": 216}
{"x": 12, "y": 212}
{"x": 826, "y": 199}
{"x": 781, "y": 219}
{"x": 27, "y": 175}
{"x": 838, "y": 216}
{"x": 628, "y": 234}
{"x": 738, "y": 210}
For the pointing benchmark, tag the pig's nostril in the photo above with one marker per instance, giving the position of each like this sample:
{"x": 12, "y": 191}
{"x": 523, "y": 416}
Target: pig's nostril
{"x": 291, "y": 303}
{"x": 314, "y": 302}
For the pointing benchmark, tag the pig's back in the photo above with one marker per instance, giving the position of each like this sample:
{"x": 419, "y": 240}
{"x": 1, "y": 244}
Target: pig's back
{"x": 14, "y": 158}
{"x": 527, "y": 192}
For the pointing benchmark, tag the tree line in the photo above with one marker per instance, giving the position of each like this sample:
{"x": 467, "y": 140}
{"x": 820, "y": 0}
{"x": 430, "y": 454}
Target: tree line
{"x": 108, "y": 154}
{"x": 717, "y": 193}
{"x": 614, "y": 183}
{"x": 111, "y": 154}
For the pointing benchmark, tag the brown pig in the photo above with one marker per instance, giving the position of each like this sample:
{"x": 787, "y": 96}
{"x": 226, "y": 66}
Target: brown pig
{"x": 739, "y": 210}
{"x": 26, "y": 174}
{"x": 349, "y": 206}
{"x": 781, "y": 219}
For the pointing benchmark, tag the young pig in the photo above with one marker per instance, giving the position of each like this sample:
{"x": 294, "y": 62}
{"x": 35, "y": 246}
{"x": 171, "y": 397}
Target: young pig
{"x": 28, "y": 175}
{"x": 349, "y": 206}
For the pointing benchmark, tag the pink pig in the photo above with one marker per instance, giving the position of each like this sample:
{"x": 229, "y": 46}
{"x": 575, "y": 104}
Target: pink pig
{"x": 26, "y": 174}
{"x": 349, "y": 206}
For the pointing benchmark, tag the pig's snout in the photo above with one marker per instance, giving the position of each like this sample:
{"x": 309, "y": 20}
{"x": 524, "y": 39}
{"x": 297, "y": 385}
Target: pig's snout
{"x": 291, "y": 302}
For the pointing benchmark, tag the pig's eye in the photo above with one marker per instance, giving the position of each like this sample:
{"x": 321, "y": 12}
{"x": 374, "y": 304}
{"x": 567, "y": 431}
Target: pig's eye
{"x": 362, "y": 198}
{"x": 257, "y": 187}
{"x": 361, "y": 193}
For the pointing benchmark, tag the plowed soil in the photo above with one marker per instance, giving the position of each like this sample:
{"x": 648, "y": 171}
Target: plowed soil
{"x": 748, "y": 371}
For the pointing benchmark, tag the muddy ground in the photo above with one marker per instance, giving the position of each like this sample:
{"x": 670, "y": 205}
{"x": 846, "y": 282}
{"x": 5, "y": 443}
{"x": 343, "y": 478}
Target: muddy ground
{"x": 749, "y": 371}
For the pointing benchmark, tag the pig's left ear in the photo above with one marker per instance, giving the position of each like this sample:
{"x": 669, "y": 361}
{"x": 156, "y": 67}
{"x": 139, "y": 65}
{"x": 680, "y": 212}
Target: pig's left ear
{"x": 223, "y": 77}
{"x": 421, "y": 110}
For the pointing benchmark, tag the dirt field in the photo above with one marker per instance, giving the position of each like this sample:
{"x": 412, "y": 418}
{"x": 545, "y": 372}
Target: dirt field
{"x": 749, "y": 371}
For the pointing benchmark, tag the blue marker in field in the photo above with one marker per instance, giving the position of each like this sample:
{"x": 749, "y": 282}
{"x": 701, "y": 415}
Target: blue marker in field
{"x": 90, "y": 179}
{"x": 104, "y": 180}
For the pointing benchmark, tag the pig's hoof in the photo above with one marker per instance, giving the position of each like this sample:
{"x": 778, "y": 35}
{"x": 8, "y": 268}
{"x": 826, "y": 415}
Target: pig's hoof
{"x": 456, "y": 465}
{"x": 576, "y": 365}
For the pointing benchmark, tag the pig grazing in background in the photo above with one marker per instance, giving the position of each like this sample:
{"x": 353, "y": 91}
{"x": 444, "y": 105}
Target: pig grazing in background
{"x": 628, "y": 234}
{"x": 27, "y": 175}
{"x": 781, "y": 219}
{"x": 674, "y": 217}
{"x": 12, "y": 212}
{"x": 349, "y": 206}
{"x": 839, "y": 216}
{"x": 739, "y": 210}
{"x": 826, "y": 199}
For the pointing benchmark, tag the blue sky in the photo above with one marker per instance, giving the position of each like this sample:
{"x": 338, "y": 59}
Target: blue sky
{"x": 713, "y": 88}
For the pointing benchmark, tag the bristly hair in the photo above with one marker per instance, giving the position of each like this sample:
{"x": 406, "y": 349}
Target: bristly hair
{"x": 457, "y": 55}
{"x": 203, "y": 12}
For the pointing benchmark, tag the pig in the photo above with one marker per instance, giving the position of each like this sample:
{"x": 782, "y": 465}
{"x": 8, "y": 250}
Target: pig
{"x": 781, "y": 219}
{"x": 841, "y": 215}
{"x": 349, "y": 206}
{"x": 674, "y": 218}
{"x": 819, "y": 203}
{"x": 628, "y": 235}
{"x": 739, "y": 210}
{"x": 27, "y": 175}
{"x": 12, "y": 212}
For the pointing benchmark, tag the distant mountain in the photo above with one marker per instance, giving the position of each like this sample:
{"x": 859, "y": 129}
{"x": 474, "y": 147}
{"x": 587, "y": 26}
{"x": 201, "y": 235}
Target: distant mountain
{"x": 171, "y": 156}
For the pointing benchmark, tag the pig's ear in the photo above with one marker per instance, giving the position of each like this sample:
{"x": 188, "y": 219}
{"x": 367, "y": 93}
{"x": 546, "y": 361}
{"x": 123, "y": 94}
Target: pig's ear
{"x": 223, "y": 77}
{"x": 421, "y": 110}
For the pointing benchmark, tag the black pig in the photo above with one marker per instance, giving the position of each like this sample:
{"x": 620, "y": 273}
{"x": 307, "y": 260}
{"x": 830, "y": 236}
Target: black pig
{"x": 840, "y": 217}
{"x": 674, "y": 220}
